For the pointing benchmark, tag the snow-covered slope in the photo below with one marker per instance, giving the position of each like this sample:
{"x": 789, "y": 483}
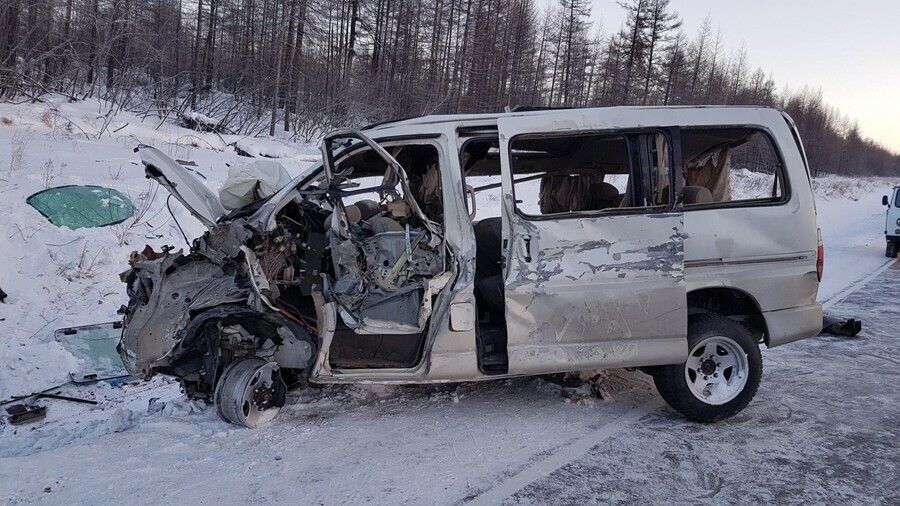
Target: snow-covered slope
{"x": 56, "y": 277}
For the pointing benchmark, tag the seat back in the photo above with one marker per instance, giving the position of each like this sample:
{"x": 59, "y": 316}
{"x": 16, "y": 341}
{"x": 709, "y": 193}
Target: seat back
{"x": 602, "y": 196}
{"x": 697, "y": 195}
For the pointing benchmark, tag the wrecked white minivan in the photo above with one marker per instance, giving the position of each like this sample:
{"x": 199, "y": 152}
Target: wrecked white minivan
{"x": 475, "y": 247}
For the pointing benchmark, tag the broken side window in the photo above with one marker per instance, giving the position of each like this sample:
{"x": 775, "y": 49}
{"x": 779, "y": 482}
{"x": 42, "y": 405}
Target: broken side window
{"x": 480, "y": 162}
{"x": 730, "y": 165}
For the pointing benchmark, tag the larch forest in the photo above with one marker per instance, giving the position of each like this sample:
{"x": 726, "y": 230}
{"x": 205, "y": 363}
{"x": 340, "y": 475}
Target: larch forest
{"x": 298, "y": 68}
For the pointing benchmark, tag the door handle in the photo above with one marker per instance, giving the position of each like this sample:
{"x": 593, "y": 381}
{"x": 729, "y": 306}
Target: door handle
{"x": 526, "y": 239}
{"x": 470, "y": 192}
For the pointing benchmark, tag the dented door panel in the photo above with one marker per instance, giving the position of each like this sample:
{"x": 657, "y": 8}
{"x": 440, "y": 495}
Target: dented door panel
{"x": 602, "y": 292}
{"x": 590, "y": 291}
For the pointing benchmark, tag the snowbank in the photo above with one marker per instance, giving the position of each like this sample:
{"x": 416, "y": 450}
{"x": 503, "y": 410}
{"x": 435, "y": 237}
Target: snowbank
{"x": 56, "y": 277}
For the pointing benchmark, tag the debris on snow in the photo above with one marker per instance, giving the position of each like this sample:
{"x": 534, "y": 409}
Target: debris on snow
{"x": 201, "y": 122}
{"x": 848, "y": 328}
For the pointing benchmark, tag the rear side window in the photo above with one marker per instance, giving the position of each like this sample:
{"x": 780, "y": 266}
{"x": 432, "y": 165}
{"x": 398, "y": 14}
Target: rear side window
{"x": 731, "y": 165}
{"x": 565, "y": 175}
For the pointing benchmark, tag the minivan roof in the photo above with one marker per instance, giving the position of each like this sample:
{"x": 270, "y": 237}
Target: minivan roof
{"x": 434, "y": 119}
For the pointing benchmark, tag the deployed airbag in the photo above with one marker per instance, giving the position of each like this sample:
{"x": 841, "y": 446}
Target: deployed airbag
{"x": 248, "y": 183}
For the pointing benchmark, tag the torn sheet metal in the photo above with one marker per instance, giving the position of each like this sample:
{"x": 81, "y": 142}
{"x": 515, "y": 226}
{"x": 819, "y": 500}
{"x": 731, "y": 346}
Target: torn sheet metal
{"x": 202, "y": 202}
{"x": 164, "y": 293}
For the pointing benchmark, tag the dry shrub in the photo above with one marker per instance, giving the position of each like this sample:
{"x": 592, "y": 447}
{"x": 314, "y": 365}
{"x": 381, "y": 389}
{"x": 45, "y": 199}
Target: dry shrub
{"x": 17, "y": 154}
{"x": 85, "y": 264}
{"x": 51, "y": 172}
{"x": 47, "y": 119}
{"x": 141, "y": 205}
{"x": 6, "y": 121}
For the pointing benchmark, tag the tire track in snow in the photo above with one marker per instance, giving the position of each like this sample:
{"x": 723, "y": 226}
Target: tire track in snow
{"x": 847, "y": 291}
{"x": 562, "y": 456}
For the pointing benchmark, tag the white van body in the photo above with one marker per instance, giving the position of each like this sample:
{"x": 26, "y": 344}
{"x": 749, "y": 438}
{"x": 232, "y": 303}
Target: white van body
{"x": 892, "y": 222}
{"x": 657, "y": 278}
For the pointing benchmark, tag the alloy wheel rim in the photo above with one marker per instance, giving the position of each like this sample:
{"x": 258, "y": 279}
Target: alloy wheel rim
{"x": 716, "y": 370}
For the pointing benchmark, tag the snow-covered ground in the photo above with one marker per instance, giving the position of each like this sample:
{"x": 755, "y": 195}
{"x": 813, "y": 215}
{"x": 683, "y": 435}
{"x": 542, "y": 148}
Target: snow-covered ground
{"x": 852, "y": 218}
{"x": 57, "y": 277}
{"x": 144, "y": 442}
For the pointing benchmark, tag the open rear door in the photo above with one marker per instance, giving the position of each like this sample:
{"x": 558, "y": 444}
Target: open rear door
{"x": 599, "y": 283}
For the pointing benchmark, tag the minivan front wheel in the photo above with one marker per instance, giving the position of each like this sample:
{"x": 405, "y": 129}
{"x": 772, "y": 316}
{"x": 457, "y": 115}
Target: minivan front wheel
{"x": 721, "y": 374}
{"x": 250, "y": 392}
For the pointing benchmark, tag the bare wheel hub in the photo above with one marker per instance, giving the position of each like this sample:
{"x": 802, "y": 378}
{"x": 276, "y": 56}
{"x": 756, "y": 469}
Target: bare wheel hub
{"x": 250, "y": 392}
{"x": 708, "y": 367}
{"x": 263, "y": 397}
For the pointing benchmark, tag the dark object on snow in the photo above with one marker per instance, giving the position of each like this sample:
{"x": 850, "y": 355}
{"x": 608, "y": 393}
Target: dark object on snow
{"x": 201, "y": 123}
{"x": 66, "y": 398}
{"x": 82, "y": 206}
{"x": 2, "y": 295}
{"x": 46, "y": 395}
{"x": 21, "y": 414}
{"x": 847, "y": 328}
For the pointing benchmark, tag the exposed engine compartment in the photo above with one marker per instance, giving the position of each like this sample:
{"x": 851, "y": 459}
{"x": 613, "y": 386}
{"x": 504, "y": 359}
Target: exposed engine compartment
{"x": 241, "y": 293}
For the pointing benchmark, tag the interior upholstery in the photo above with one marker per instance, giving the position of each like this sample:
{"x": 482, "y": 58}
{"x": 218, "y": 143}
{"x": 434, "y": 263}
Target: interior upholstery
{"x": 603, "y": 196}
{"x": 697, "y": 195}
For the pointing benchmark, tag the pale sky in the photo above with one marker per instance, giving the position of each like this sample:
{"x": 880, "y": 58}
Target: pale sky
{"x": 849, "y": 49}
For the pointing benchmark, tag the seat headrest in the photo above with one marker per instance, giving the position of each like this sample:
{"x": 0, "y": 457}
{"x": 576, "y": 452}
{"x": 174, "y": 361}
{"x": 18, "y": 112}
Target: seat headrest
{"x": 605, "y": 192}
{"x": 368, "y": 208}
{"x": 697, "y": 195}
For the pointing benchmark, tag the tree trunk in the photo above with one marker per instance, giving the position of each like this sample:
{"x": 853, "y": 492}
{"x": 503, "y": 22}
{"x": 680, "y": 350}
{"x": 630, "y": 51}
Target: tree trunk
{"x": 195, "y": 60}
{"x": 351, "y": 44}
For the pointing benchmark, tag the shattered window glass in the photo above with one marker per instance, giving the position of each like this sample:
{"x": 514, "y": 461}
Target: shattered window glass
{"x": 730, "y": 165}
{"x": 82, "y": 206}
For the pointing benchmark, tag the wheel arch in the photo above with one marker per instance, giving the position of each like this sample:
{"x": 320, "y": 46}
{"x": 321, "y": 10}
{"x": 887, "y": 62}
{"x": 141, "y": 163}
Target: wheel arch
{"x": 732, "y": 303}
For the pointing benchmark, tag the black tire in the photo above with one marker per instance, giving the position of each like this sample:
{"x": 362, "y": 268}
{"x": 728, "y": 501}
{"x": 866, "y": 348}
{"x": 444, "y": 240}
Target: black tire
{"x": 672, "y": 380}
{"x": 891, "y": 251}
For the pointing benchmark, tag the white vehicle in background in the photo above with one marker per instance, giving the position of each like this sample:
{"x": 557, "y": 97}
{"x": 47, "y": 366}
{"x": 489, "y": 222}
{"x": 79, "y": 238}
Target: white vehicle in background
{"x": 892, "y": 222}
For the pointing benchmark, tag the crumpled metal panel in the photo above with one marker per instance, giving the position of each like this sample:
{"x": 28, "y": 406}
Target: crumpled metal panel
{"x": 164, "y": 293}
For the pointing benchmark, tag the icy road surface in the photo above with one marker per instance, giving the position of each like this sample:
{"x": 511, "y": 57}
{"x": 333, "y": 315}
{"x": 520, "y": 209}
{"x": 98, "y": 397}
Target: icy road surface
{"x": 824, "y": 427}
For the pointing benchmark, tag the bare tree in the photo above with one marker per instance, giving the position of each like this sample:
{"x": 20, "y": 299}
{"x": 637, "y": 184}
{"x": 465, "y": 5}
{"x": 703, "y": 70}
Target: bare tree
{"x": 311, "y": 65}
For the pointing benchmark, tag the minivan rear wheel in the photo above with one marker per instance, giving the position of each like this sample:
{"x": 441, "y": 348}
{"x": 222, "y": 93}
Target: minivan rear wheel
{"x": 721, "y": 374}
{"x": 891, "y": 251}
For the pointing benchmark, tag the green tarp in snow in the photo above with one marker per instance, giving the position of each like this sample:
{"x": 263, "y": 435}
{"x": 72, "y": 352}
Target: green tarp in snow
{"x": 82, "y": 206}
